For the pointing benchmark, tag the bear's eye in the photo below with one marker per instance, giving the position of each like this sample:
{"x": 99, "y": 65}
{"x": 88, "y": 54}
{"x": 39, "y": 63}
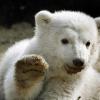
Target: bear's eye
{"x": 87, "y": 44}
{"x": 64, "y": 41}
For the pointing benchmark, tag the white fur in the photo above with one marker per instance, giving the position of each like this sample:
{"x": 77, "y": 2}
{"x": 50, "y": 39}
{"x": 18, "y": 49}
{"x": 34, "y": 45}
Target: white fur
{"x": 51, "y": 28}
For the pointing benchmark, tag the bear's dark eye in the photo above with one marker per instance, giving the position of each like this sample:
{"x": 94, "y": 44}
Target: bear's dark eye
{"x": 64, "y": 41}
{"x": 87, "y": 44}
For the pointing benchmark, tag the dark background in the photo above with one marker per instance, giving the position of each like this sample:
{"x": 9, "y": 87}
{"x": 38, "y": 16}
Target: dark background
{"x": 15, "y": 11}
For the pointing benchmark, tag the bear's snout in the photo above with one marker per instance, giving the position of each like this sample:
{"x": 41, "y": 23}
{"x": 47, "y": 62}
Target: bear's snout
{"x": 78, "y": 62}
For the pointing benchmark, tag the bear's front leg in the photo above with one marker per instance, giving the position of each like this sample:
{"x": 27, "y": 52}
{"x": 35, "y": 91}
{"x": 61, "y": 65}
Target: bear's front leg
{"x": 27, "y": 80}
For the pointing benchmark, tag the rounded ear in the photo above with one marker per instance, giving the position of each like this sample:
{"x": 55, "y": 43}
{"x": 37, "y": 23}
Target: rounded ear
{"x": 43, "y": 18}
{"x": 97, "y": 19}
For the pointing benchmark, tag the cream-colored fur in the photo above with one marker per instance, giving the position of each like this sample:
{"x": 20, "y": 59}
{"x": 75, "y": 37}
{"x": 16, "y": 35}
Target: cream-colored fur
{"x": 60, "y": 38}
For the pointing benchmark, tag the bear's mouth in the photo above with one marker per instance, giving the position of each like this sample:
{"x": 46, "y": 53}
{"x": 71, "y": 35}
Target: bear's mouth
{"x": 72, "y": 70}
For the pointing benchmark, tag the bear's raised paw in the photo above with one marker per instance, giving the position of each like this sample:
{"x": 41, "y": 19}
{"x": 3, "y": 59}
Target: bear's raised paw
{"x": 30, "y": 68}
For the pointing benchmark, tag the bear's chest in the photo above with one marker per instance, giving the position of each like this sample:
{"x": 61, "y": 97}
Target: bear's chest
{"x": 58, "y": 89}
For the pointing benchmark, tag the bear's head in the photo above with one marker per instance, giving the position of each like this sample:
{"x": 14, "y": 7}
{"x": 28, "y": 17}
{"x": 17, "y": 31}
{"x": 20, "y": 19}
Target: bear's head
{"x": 71, "y": 37}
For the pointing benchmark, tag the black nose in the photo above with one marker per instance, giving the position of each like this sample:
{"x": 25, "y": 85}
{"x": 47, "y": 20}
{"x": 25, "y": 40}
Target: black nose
{"x": 78, "y": 62}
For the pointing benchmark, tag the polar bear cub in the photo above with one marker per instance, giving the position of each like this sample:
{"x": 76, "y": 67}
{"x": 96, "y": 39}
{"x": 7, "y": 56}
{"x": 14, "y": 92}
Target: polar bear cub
{"x": 56, "y": 64}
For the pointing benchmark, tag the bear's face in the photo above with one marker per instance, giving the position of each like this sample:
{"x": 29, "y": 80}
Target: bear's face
{"x": 74, "y": 48}
{"x": 71, "y": 35}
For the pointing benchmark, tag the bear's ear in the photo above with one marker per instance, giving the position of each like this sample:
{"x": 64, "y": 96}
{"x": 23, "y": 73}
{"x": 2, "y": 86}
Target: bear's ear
{"x": 97, "y": 19}
{"x": 43, "y": 18}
